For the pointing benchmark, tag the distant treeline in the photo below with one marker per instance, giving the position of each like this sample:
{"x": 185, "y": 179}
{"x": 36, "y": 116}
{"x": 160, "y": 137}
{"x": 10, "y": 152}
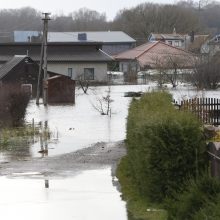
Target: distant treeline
{"x": 199, "y": 16}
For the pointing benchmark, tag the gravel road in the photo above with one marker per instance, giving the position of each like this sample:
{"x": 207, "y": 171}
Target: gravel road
{"x": 97, "y": 156}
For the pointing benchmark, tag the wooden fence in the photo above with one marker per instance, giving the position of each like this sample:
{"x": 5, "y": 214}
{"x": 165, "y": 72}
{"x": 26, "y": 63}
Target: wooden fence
{"x": 206, "y": 109}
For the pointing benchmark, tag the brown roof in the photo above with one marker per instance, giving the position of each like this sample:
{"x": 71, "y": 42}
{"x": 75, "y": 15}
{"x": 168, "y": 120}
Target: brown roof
{"x": 154, "y": 54}
{"x": 199, "y": 40}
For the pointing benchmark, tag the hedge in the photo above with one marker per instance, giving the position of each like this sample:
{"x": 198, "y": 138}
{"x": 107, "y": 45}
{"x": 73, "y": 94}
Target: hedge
{"x": 165, "y": 146}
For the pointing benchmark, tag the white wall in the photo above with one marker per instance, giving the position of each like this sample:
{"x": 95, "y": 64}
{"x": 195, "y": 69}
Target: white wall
{"x": 100, "y": 69}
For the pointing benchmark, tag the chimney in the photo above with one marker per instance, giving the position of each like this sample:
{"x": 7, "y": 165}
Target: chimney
{"x": 82, "y": 36}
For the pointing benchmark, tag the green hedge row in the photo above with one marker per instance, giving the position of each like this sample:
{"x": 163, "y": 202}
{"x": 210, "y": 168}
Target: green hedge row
{"x": 165, "y": 146}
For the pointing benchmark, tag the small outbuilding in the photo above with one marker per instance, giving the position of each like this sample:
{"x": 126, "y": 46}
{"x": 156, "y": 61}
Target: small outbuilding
{"x": 61, "y": 89}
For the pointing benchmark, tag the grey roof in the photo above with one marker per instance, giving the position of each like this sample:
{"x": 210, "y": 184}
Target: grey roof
{"x": 11, "y": 64}
{"x": 23, "y": 36}
{"x": 92, "y": 36}
{"x": 56, "y": 52}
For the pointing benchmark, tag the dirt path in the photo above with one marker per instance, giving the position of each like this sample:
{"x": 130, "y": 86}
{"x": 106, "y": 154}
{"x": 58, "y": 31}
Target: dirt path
{"x": 94, "y": 157}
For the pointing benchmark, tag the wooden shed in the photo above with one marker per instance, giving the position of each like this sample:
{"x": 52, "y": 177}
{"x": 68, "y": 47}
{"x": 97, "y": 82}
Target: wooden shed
{"x": 20, "y": 71}
{"x": 61, "y": 89}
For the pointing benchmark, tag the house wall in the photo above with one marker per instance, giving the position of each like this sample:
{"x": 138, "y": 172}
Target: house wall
{"x": 176, "y": 43}
{"x": 61, "y": 90}
{"x": 128, "y": 66}
{"x": 100, "y": 69}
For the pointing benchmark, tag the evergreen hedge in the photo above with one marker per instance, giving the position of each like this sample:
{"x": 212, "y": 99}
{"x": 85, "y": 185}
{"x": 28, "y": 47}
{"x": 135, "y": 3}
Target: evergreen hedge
{"x": 165, "y": 146}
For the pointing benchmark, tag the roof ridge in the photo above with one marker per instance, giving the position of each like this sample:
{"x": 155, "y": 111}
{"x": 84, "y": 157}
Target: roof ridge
{"x": 9, "y": 65}
{"x": 176, "y": 48}
{"x": 154, "y": 44}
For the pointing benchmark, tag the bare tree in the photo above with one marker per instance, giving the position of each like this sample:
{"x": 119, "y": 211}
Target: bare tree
{"x": 206, "y": 73}
{"x": 83, "y": 83}
{"x": 89, "y": 20}
{"x": 170, "y": 66}
{"x": 103, "y": 103}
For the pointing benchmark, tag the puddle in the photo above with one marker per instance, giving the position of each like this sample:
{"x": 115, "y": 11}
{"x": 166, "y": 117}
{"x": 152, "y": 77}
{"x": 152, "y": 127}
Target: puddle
{"x": 88, "y": 195}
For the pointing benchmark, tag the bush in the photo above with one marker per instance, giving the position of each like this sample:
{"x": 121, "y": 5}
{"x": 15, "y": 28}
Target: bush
{"x": 163, "y": 144}
{"x": 199, "y": 200}
{"x": 13, "y": 104}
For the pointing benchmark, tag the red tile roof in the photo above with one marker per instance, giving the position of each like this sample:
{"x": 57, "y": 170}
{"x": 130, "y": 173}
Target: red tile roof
{"x": 154, "y": 54}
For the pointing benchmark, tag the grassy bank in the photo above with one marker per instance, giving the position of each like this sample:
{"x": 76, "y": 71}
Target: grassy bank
{"x": 137, "y": 206}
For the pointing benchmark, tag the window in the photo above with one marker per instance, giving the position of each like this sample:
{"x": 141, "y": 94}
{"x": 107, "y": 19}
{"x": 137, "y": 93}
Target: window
{"x": 89, "y": 73}
{"x": 176, "y": 43}
{"x": 70, "y": 72}
{"x": 170, "y": 42}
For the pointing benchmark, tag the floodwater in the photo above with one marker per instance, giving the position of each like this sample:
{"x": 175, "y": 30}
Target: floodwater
{"x": 89, "y": 195}
{"x": 77, "y": 126}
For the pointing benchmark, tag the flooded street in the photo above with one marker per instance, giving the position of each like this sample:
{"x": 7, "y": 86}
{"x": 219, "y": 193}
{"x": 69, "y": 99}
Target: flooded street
{"x": 88, "y": 195}
{"x": 74, "y": 179}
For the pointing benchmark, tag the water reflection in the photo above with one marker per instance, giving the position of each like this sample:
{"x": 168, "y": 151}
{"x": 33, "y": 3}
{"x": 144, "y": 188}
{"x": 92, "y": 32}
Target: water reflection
{"x": 89, "y": 195}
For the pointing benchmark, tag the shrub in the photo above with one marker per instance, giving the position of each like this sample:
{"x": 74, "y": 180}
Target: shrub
{"x": 165, "y": 146}
{"x": 199, "y": 200}
{"x": 13, "y": 104}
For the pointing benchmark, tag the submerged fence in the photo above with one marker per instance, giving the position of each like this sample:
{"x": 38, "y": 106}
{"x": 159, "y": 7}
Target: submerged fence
{"x": 206, "y": 109}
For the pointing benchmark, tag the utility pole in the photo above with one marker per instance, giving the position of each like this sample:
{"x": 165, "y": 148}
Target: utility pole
{"x": 45, "y": 83}
{"x": 43, "y": 62}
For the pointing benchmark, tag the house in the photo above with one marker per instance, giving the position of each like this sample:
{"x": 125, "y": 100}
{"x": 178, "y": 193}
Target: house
{"x": 173, "y": 39}
{"x": 22, "y": 72}
{"x": 154, "y": 55}
{"x": 78, "y": 59}
{"x": 191, "y": 42}
{"x": 113, "y": 42}
{"x": 211, "y": 46}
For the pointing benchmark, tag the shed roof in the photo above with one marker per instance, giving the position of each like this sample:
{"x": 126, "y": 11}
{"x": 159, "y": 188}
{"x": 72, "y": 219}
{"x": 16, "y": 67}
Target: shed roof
{"x": 11, "y": 64}
{"x": 156, "y": 53}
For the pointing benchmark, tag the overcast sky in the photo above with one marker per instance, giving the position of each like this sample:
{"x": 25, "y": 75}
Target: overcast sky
{"x": 109, "y": 7}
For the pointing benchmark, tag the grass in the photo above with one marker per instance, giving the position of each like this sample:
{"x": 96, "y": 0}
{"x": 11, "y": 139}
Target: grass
{"x": 11, "y": 136}
{"x": 138, "y": 207}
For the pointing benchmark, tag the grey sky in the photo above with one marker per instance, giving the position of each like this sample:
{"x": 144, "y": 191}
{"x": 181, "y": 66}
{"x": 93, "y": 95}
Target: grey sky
{"x": 110, "y": 7}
